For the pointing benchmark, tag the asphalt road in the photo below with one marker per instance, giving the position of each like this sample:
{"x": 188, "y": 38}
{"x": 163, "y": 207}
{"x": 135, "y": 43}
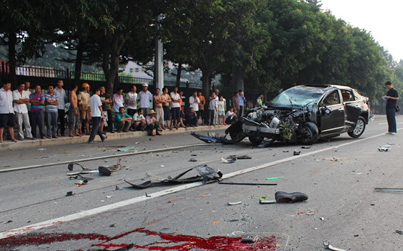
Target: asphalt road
{"x": 339, "y": 176}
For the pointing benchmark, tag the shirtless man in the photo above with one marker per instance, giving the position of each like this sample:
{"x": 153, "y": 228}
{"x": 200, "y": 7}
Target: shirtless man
{"x": 83, "y": 99}
{"x": 74, "y": 115}
{"x": 166, "y": 99}
{"x": 158, "y": 108}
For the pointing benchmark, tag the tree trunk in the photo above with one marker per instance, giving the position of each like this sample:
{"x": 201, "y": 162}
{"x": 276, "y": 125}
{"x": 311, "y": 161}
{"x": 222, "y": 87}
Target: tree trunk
{"x": 12, "y": 58}
{"x": 110, "y": 61}
{"x": 79, "y": 62}
{"x": 206, "y": 79}
{"x": 178, "y": 75}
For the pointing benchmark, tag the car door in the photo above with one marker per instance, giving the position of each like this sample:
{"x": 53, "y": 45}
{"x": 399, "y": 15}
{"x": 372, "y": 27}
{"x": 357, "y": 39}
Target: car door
{"x": 352, "y": 106}
{"x": 332, "y": 114}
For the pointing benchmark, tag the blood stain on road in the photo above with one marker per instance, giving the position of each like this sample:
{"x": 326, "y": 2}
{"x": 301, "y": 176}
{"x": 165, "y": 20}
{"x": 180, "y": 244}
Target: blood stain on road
{"x": 178, "y": 242}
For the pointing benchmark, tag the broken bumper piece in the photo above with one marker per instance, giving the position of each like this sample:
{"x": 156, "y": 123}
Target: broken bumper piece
{"x": 206, "y": 174}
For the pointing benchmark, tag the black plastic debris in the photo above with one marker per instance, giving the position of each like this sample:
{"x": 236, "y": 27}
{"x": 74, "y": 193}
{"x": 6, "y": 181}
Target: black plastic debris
{"x": 214, "y": 138}
{"x": 193, "y": 160}
{"x": 284, "y": 197}
{"x": 70, "y": 166}
{"x": 206, "y": 174}
{"x": 69, "y": 193}
{"x": 297, "y": 153}
{"x": 249, "y": 238}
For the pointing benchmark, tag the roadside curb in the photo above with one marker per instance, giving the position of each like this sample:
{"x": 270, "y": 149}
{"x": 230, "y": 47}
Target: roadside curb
{"x": 9, "y": 145}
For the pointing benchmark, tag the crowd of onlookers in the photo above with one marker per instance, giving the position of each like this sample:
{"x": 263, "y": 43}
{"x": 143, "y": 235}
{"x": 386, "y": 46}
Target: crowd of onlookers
{"x": 33, "y": 112}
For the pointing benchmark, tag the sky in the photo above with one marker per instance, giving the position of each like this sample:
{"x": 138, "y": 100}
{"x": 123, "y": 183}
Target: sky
{"x": 383, "y": 19}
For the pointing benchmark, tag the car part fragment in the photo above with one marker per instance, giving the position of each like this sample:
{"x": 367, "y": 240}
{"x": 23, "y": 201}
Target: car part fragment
{"x": 206, "y": 174}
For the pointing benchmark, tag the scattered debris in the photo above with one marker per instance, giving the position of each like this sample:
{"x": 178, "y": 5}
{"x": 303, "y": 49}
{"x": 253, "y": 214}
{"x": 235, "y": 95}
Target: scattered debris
{"x": 249, "y": 238}
{"x": 234, "y": 203}
{"x": 322, "y": 218}
{"x": 206, "y": 174}
{"x": 330, "y": 247}
{"x": 69, "y": 193}
{"x": 297, "y": 153}
{"x": 399, "y": 232}
{"x": 384, "y": 148}
{"x": 290, "y": 197}
{"x": 214, "y": 138}
{"x": 118, "y": 188}
{"x": 305, "y": 147}
{"x": 193, "y": 155}
{"x": 125, "y": 149}
{"x": 112, "y": 225}
{"x": 331, "y": 159}
{"x": 275, "y": 178}
{"x": 239, "y": 157}
{"x": 41, "y": 149}
{"x": 228, "y": 161}
{"x": 147, "y": 195}
{"x": 193, "y": 160}
{"x": 9, "y": 221}
{"x": 81, "y": 182}
{"x": 264, "y": 201}
{"x": 246, "y": 184}
{"x": 70, "y": 166}
{"x": 389, "y": 190}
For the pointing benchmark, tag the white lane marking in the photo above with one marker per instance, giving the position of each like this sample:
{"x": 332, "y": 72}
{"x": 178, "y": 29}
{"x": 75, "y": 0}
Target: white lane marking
{"x": 71, "y": 217}
{"x": 98, "y": 158}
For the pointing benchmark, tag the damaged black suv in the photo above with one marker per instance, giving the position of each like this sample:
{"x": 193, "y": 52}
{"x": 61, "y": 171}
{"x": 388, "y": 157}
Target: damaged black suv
{"x": 306, "y": 113}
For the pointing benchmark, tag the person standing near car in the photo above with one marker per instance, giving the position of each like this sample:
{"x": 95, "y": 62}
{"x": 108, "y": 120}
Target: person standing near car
{"x": 391, "y": 101}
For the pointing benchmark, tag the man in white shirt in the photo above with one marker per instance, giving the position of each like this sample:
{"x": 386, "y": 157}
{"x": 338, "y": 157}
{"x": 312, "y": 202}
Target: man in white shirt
{"x": 21, "y": 99}
{"x": 97, "y": 115}
{"x": 146, "y": 98}
{"x": 139, "y": 121}
{"x": 62, "y": 97}
{"x": 131, "y": 101}
{"x": 6, "y": 111}
{"x": 175, "y": 107}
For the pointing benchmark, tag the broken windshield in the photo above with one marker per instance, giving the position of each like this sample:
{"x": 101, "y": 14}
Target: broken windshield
{"x": 297, "y": 97}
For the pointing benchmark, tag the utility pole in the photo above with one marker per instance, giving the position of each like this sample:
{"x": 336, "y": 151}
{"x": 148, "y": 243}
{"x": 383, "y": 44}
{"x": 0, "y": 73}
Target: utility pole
{"x": 159, "y": 57}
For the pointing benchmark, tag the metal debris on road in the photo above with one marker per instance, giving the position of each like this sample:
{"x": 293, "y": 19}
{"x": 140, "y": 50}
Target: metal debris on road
{"x": 234, "y": 203}
{"x": 388, "y": 190}
{"x": 384, "y": 148}
{"x": 228, "y": 161}
{"x": 239, "y": 157}
{"x": 330, "y": 247}
{"x": 206, "y": 174}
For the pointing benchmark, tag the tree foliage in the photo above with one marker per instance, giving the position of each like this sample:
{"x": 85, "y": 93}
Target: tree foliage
{"x": 276, "y": 43}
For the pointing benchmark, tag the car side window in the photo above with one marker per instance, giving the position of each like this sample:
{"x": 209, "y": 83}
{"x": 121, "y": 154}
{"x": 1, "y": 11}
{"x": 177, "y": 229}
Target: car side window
{"x": 332, "y": 98}
{"x": 347, "y": 95}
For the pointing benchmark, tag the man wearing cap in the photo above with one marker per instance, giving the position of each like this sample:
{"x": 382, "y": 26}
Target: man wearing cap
{"x": 85, "y": 111}
{"x": 391, "y": 101}
{"x": 146, "y": 98}
{"x": 152, "y": 123}
{"x": 122, "y": 120}
{"x": 6, "y": 111}
{"x": 97, "y": 115}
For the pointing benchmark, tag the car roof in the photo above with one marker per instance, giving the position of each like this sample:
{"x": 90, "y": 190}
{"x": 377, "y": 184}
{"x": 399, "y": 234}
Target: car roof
{"x": 326, "y": 86}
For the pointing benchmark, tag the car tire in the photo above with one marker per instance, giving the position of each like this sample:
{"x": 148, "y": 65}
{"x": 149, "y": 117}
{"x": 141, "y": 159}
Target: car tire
{"x": 359, "y": 128}
{"x": 235, "y": 131}
{"x": 309, "y": 133}
{"x": 256, "y": 140}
